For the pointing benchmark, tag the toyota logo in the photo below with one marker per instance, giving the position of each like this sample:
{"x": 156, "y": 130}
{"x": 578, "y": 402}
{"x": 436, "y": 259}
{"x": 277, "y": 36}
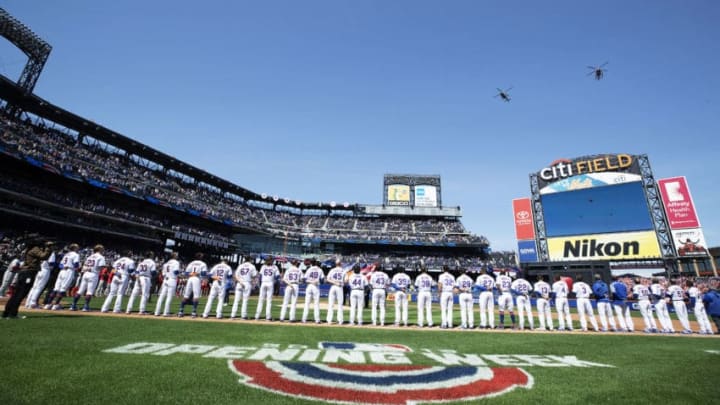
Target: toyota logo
{"x": 522, "y": 215}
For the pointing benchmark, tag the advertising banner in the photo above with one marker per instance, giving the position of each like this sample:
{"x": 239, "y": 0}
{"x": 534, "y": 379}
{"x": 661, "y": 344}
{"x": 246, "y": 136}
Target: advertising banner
{"x": 524, "y": 224}
{"x": 609, "y": 246}
{"x": 426, "y": 196}
{"x": 588, "y": 165}
{"x": 398, "y": 194}
{"x": 528, "y": 251}
{"x": 690, "y": 242}
{"x": 678, "y": 202}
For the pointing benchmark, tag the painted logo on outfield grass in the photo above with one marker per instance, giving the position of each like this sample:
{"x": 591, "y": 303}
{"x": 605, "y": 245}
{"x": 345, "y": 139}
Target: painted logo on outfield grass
{"x": 344, "y": 372}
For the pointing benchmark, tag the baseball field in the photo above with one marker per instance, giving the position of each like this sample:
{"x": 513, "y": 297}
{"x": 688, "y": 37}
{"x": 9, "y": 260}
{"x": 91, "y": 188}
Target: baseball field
{"x": 62, "y": 357}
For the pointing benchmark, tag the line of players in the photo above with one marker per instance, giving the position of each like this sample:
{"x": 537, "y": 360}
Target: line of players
{"x": 613, "y": 301}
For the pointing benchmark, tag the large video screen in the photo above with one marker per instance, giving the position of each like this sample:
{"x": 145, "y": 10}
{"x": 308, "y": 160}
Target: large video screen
{"x": 605, "y": 209}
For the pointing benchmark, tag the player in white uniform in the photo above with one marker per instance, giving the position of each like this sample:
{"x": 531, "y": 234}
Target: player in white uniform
{"x": 695, "y": 294}
{"x": 336, "y": 278}
{"x": 195, "y": 269}
{"x": 486, "y": 302}
{"x": 677, "y": 295}
{"x": 269, "y": 273}
{"x": 90, "y": 272}
{"x": 41, "y": 280}
{"x": 560, "y": 292}
{"x": 219, "y": 274}
{"x": 641, "y": 292}
{"x": 143, "y": 274}
{"x": 245, "y": 275}
{"x": 658, "y": 290}
{"x": 522, "y": 289}
{"x": 503, "y": 283}
{"x": 401, "y": 284}
{"x": 313, "y": 276}
{"x": 122, "y": 269}
{"x": 542, "y": 293}
{"x": 379, "y": 282}
{"x": 357, "y": 283}
{"x": 464, "y": 285}
{"x": 423, "y": 285}
{"x": 446, "y": 285}
{"x": 582, "y": 293}
{"x": 10, "y": 276}
{"x": 170, "y": 272}
{"x": 69, "y": 264}
{"x": 292, "y": 278}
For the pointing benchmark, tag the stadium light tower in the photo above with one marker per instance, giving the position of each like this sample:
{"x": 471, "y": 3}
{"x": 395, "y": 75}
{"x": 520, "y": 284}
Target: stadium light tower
{"x": 36, "y": 49}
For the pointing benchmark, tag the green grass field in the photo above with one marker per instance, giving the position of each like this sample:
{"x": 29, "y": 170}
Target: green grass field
{"x": 61, "y": 358}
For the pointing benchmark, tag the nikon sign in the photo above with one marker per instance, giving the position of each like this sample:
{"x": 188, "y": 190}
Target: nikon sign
{"x": 587, "y": 165}
{"x": 611, "y": 246}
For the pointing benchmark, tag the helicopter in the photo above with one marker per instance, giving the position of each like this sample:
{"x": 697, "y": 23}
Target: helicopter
{"x": 503, "y": 94}
{"x": 597, "y": 71}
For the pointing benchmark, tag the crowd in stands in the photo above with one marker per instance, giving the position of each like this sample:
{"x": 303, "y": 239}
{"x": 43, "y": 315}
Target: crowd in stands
{"x": 95, "y": 162}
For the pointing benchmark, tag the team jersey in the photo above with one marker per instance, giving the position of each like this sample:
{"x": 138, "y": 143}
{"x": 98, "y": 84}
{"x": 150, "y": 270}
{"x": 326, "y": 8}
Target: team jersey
{"x": 676, "y": 293}
{"x": 522, "y": 286}
{"x": 222, "y": 271}
{"x": 424, "y": 282}
{"x": 503, "y": 283}
{"x": 695, "y": 295}
{"x": 124, "y": 266}
{"x": 379, "y": 279}
{"x": 401, "y": 281}
{"x": 246, "y": 272}
{"x": 448, "y": 282}
{"x": 657, "y": 291}
{"x": 146, "y": 268}
{"x": 94, "y": 263}
{"x": 601, "y": 291}
{"x": 314, "y": 275}
{"x": 268, "y": 274}
{"x": 71, "y": 260}
{"x": 196, "y": 268}
{"x": 642, "y": 292}
{"x": 485, "y": 281}
{"x": 581, "y": 289}
{"x": 618, "y": 290}
{"x": 46, "y": 265}
{"x": 357, "y": 281}
{"x": 464, "y": 283}
{"x": 171, "y": 269}
{"x": 336, "y": 276}
{"x": 293, "y": 275}
{"x": 560, "y": 289}
{"x": 542, "y": 289}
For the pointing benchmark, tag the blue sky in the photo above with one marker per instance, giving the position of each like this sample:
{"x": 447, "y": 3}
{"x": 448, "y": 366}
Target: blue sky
{"x": 316, "y": 100}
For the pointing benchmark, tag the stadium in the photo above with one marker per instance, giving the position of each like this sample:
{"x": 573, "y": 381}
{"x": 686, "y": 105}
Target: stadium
{"x": 69, "y": 184}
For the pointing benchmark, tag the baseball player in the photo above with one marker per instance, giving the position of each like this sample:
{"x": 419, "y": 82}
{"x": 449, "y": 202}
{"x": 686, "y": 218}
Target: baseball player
{"x": 292, "y": 278}
{"x": 560, "y": 293}
{"x": 313, "y": 276}
{"x": 245, "y": 275}
{"x": 677, "y": 295}
{"x": 69, "y": 264}
{"x": 486, "y": 284}
{"x": 379, "y": 282}
{"x": 602, "y": 297}
{"x": 641, "y": 292}
{"x": 423, "y": 285}
{"x": 521, "y": 288}
{"x": 619, "y": 293}
{"x": 41, "y": 280}
{"x": 658, "y": 291}
{"x": 269, "y": 273}
{"x": 503, "y": 282}
{"x": 446, "y": 285}
{"x": 357, "y": 283}
{"x": 219, "y": 274}
{"x": 90, "y": 272}
{"x": 170, "y": 272}
{"x": 194, "y": 270}
{"x": 10, "y": 276}
{"x": 122, "y": 270}
{"x": 336, "y": 278}
{"x": 582, "y": 297}
{"x": 542, "y": 293}
{"x": 695, "y": 294}
{"x": 401, "y": 284}
{"x": 464, "y": 285}
{"x": 143, "y": 274}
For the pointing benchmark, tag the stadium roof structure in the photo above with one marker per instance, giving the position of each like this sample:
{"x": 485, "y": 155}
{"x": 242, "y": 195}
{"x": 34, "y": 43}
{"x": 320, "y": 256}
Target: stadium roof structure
{"x": 36, "y": 49}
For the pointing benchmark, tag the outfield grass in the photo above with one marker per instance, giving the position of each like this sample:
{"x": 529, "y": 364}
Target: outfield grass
{"x": 59, "y": 358}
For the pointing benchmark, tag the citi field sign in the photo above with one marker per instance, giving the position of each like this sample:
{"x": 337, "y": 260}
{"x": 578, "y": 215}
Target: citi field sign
{"x": 379, "y": 373}
{"x": 588, "y": 165}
